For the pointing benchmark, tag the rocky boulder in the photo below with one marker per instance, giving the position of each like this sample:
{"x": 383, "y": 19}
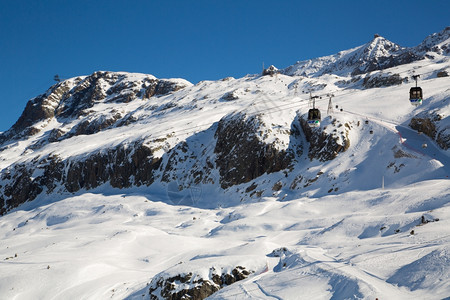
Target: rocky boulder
{"x": 194, "y": 286}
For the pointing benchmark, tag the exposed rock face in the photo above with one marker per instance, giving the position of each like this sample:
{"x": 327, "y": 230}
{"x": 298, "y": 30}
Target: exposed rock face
{"x": 230, "y": 96}
{"x": 161, "y": 87}
{"x": 184, "y": 164}
{"x": 242, "y": 155}
{"x": 428, "y": 123}
{"x": 378, "y": 54}
{"x": 190, "y": 286}
{"x": 38, "y": 109}
{"x": 72, "y": 105}
{"x": 437, "y": 42}
{"x": 271, "y": 70}
{"x": 73, "y": 99}
{"x": 379, "y": 80}
{"x": 22, "y": 188}
{"x": 122, "y": 167}
{"x": 326, "y": 146}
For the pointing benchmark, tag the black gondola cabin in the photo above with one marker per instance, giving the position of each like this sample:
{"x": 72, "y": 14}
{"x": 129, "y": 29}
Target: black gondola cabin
{"x": 314, "y": 117}
{"x": 415, "y": 96}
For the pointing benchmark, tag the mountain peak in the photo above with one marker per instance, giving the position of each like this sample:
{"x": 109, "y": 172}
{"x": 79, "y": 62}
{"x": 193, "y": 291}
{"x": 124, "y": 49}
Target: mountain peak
{"x": 437, "y": 42}
{"x": 377, "y": 54}
{"x": 379, "y": 47}
{"x": 74, "y": 99}
{"x": 366, "y": 58}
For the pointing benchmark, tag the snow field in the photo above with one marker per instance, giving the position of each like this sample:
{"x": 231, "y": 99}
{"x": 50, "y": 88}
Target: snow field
{"x": 95, "y": 246}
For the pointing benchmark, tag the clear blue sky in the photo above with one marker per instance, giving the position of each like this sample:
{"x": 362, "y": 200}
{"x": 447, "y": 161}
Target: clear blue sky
{"x": 196, "y": 40}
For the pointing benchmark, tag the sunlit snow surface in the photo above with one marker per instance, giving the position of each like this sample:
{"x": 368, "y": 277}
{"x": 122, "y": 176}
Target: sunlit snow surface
{"x": 358, "y": 241}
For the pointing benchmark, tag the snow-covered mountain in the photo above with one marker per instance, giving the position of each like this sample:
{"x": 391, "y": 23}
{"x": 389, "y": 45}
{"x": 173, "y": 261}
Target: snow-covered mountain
{"x": 378, "y": 54}
{"x": 123, "y": 185}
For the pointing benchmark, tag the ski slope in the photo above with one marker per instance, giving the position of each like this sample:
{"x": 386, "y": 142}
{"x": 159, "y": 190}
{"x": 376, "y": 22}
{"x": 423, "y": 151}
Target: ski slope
{"x": 372, "y": 223}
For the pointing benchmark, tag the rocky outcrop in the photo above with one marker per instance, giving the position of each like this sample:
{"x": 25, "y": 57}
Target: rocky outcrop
{"x": 121, "y": 167}
{"x": 380, "y": 80}
{"x": 23, "y": 187}
{"x": 428, "y": 123}
{"x": 193, "y": 286}
{"x": 38, "y": 109}
{"x": 242, "y": 154}
{"x": 326, "y": 145}
{"x": 230, "y": 96}
{"x": 271, "y": 70}
{"x": 441, "y": 74}
{"x": 159, "y": 87}
{"x": 73, "y": 99}
{"x": 437, "y": 42}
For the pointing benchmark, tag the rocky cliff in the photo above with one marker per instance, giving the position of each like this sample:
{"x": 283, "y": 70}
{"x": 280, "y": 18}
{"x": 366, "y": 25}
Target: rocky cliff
{"x": 430, "y": 123}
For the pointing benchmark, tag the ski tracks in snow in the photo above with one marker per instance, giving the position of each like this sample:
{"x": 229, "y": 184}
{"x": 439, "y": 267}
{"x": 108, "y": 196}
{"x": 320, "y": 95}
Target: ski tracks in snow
{"x": 367, "y": 283}
{"x": 430, "y": 150}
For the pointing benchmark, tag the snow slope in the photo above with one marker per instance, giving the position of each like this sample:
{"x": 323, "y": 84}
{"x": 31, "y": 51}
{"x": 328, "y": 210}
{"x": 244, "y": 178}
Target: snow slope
{"x": 372, "y": 223}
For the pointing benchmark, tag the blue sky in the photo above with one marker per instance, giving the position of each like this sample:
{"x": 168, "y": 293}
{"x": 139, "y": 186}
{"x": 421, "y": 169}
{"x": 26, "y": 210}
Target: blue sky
{"x": 196, "y": 40}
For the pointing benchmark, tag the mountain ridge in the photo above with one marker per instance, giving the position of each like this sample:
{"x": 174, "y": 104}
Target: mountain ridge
{"x": 109, "y": 101}
{"x": 378, "y": 54}
{"x": 124, "y": 185}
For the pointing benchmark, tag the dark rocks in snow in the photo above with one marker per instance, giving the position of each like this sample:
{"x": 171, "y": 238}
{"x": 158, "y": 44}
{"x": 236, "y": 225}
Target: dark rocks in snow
{"x": 326, "y": 146}
{"x": 74, "y": 98}
{"x": 122, "y": 167}
{"x": 385, "y": 62}
{"x": 271, "y": 70}
{"x": 83, "y": 96}
{"x": 436, "y": 42}
{"x": 241, "y": 155}
{"x": 89, "y": 126}
{"x": 442, "y": 74}
{"x": 192, "y": 286}
{"x": 230, "y": 96}
{"x": 381, "y": 80}
{"x": 161, "y": 87}
{"x": 428, "y": 123}
{"x": 280, "y": 252}
{"x": 424, "y": 125}
{"x": 37, "y": 109}
{"x": 22, "y": 187}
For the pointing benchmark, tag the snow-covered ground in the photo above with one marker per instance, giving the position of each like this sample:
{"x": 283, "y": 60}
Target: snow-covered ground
{"x": 360, "y": 244}
{"x": 381, "y": 231}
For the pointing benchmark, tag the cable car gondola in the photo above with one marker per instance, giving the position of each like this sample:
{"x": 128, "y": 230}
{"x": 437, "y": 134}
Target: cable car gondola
{"x": 314, "y": 117}
{"x": 314, "y": 114}
{"x": 415, "y": 94}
